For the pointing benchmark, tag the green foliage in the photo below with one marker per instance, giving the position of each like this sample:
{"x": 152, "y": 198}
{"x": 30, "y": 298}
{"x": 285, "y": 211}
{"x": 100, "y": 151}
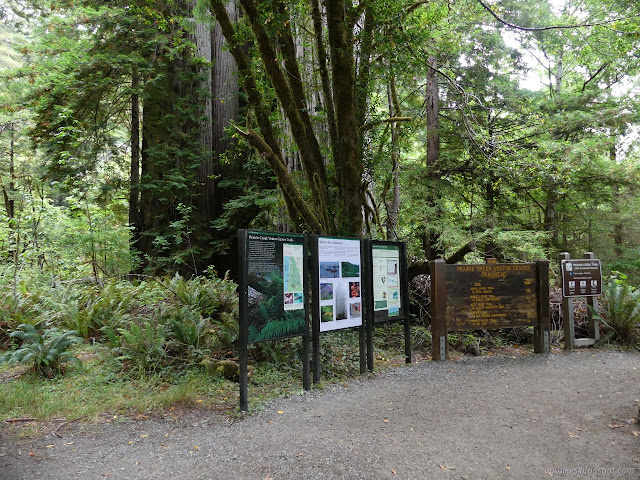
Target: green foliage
{"x": 621, "y": 309}
{"x": 45, "y": 352}
{"x": 208, "y": 295}
{"x": 17, "y": 308}
{"x": 171, "y": 323}
{"x": 291, "y": 324}
{"x": 140, "y": 346}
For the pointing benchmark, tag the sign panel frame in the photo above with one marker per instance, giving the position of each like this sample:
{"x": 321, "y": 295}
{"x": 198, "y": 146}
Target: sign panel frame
{"x": 490, "y": 296}
{"x": 273, "y": 295}
{"x": 274, "y": 270}
{"x": 338, "y": 292}
{"x": 388, "y": 290}
{"x": 587, "y": 270}
{"x": 457, "y": 313}
{"x": 338, "y": 274}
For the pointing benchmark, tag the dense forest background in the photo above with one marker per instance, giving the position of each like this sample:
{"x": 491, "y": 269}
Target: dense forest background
{"x": 138, "y": 136}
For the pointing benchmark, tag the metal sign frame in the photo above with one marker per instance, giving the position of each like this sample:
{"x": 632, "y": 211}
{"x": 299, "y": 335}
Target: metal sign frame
{"x": 247, "y": 251}
{"x": 317, "y": 302}
{"x": 378, "y": 281}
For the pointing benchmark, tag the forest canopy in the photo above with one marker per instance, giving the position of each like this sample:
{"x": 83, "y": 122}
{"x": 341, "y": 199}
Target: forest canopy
{"x": 138, "y": 136}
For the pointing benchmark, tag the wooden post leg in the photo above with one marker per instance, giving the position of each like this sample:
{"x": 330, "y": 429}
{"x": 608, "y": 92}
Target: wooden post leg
{"x": 541, "y": 330}
{"x": 594, "y": 324}
{"x": 567, "y": 313}
{"x": 438, "y": 310}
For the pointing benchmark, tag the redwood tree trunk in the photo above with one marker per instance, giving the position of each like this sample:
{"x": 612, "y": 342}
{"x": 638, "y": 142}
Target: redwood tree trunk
{"x": 134, "y": 176}
{"x": 431, "y": 237}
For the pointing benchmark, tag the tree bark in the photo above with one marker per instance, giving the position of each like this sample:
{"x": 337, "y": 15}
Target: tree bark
{"x": 618, "y": 226}
{"x": 393, "y": 207}
{"x": 431, "y": 237}
{"x": 134, "y": 175}
{"x": 9, "y": 202}
{"x": 325, "y": 214}
{"x": 205, "y": 176}
{"x": 348, "y": 160}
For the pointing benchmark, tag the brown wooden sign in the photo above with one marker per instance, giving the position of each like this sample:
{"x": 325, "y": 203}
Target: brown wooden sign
{"x": 489, "y": 296}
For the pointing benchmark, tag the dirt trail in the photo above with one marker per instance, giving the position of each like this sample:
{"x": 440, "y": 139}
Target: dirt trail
{"x": 530, "y": 417}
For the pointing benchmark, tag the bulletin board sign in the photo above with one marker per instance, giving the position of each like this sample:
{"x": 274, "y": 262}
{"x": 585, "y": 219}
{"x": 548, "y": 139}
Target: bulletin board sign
{"x": 489, "y": 296}
{"x": 388, "y": 280}
{"x": 338, "y": 291}
{"x": 273, "y": 295}
{"x": 388, "y": 287}
{"x": 339, "y": 274}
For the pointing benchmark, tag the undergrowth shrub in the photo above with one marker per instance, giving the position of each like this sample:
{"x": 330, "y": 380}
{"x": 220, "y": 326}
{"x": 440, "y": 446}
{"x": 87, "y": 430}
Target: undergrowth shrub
{"x": 150, "y": 324}
{"x": 46, "y": 352}
{"x": 139, "y": 345}
{"x": 620, "y": 310}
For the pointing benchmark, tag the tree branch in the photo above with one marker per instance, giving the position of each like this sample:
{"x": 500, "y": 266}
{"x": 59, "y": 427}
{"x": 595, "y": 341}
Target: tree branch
{"x": 553, "y": 27}
{"x": 423, "y": 267}
{"x": 295, "y": 203}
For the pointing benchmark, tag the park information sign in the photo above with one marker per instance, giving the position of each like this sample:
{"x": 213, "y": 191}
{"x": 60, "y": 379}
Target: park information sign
{"x": 489, "y": 296}
{"x": 272, "y": 289}
{"x": 339, "y": 277}
{"x": 386, "y": 278}
{"x": 386, "y": 287}
{"x": 581, "y": 277}
{"x": 275, "y": 286}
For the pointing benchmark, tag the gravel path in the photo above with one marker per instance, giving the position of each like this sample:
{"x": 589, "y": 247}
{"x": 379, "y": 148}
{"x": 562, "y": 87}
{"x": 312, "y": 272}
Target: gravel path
{"x": 530, "y": 417}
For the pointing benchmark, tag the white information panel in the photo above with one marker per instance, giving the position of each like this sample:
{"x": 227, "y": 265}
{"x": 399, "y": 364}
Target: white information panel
{"x": 386, "y": 284}
{"x": 293, "y": 265}
{"x": 340, "y": 275}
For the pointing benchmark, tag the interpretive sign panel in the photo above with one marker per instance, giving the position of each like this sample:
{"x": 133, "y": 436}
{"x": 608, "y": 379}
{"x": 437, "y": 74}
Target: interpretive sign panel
{"x": 386, "y": 286}
{"x": 339, "y": 274}
{"x": 272, "y": 289}
{"x": 275, "y": 293}
{"x": 386, "y": 279}
{"x": 581, "y": 277}
{"x": 490, "y": 296}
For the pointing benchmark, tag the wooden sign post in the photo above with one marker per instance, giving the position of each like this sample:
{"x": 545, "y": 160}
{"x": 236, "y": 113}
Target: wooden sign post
{"x": 489, "y": 296}
{"x": 580, "y": 277}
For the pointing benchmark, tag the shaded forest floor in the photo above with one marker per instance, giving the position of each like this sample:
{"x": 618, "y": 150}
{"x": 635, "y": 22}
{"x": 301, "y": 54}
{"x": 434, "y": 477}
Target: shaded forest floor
{"x": 490, "y": 417}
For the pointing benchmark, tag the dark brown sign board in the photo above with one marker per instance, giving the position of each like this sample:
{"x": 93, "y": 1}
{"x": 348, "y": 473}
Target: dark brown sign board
{"x": 581, "y": 277}
{"x": 489, "y": 296}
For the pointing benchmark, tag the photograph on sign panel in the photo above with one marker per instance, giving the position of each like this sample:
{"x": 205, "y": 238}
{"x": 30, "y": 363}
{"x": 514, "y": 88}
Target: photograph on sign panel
{"x": 340, "y": 283}
{"x": 275, "y": 294}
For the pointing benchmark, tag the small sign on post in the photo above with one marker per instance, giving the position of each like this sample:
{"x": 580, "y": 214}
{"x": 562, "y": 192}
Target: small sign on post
{"x": 581, "y": 277}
